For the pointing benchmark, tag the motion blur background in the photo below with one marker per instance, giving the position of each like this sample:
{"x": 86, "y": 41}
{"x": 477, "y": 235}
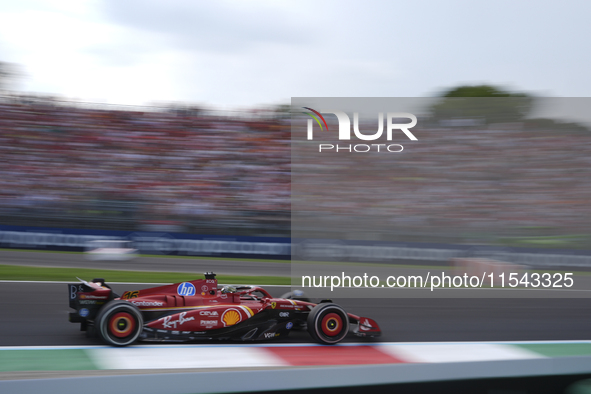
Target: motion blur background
{"x": 150, "y": 116}
{"x": 523, "y": 182}
{"x": 174, "y": 117}
{"x": 179, "y": 169}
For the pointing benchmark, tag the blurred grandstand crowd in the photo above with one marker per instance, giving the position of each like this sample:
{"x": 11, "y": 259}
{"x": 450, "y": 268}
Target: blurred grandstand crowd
{"x": 467, "y": 184}
{"x": 66, "y": 165}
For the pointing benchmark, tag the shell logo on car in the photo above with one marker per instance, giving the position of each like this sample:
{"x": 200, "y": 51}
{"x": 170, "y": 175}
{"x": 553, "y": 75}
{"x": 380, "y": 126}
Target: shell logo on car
{"x": 231, "y": 317}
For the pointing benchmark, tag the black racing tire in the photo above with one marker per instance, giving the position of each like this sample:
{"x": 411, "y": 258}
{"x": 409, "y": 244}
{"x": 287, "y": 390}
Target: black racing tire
{"x": 328, "y": 323}
{"x": 119, "y": 323}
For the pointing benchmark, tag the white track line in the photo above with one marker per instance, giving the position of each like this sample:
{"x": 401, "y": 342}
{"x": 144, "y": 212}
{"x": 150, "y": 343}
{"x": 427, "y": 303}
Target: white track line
{"x": 245, "y": 345}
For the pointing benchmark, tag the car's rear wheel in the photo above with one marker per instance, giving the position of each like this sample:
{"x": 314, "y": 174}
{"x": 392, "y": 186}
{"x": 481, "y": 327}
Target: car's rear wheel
{"x": 119, "y": 323}
{"x": 328, "y": 323}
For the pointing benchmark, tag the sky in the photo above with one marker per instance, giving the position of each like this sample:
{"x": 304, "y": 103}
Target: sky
{"x": 235, "y": 54}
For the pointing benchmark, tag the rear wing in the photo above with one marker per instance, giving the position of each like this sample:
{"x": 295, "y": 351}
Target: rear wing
{"x": 88, "y": 297}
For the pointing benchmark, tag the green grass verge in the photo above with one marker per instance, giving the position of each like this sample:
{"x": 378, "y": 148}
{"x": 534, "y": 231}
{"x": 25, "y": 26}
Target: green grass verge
{"x": 18, "y": 272}
{"x": 161, "y": 256}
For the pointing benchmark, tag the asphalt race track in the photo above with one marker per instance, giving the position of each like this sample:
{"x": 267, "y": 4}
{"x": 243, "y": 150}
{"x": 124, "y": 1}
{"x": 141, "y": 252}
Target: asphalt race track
{"x": 36, "y": 314}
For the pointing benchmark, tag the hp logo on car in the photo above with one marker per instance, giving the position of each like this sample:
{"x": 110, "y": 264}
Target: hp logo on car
{"x": 186, "y": 289}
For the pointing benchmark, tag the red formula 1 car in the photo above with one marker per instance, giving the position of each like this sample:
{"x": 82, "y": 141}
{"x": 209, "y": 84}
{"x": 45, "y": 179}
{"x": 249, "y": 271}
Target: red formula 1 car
{"x": 199, "y": 310}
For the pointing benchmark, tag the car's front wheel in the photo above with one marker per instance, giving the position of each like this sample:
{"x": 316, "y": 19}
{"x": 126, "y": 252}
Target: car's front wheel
{"x": 328, "y": 323}
{"x": 119, "y": 323}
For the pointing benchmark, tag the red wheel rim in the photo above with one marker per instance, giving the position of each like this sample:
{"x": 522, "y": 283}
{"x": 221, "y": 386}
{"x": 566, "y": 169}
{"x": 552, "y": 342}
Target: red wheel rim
{"x": 332, "y": 324}
{"x": 121, "y": 324}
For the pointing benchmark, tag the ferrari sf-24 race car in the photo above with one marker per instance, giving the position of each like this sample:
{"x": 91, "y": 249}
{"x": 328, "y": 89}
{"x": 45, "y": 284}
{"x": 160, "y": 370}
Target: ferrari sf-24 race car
{"x": 199, "y": 310}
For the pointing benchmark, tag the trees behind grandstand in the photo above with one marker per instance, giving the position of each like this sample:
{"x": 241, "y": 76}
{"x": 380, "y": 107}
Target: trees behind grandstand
{"x": 482, "y": 103}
